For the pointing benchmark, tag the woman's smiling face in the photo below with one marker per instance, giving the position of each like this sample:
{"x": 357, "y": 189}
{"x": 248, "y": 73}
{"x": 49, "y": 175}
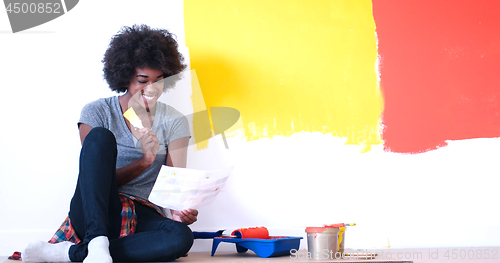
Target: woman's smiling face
{"x": 146, "y": 87}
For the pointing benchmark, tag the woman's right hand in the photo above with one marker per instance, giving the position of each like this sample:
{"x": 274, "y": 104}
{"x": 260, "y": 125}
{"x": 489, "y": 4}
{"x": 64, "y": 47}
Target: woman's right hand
{"x": 150, "y": 145}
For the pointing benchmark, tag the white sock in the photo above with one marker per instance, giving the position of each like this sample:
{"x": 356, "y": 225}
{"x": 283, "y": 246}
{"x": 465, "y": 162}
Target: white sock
{"x": 98, "y": 251}
{"x": 46, "y": 252}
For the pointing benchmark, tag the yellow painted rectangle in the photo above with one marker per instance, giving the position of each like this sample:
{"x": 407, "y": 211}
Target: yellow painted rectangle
{"x": 289, "y": 66}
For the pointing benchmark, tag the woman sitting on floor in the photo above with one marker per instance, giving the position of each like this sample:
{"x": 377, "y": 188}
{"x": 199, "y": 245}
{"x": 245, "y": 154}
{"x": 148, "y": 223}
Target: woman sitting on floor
{"x": 110, "y": 218}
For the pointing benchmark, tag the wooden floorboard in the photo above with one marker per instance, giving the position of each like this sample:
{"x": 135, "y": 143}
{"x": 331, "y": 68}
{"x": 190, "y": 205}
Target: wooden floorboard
{"x": 422, "y": 255}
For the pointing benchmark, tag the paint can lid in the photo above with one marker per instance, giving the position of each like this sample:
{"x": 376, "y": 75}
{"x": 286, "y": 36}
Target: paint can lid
{"x": 313, "y": 229}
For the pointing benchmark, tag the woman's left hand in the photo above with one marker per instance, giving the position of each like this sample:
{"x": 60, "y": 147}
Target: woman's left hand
{"x": 187, "y": 216}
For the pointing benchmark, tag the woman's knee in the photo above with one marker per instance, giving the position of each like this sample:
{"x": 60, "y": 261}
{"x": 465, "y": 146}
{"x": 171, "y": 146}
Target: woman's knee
{"x": 178, "y": 239}
{"x": 99, "y": 148}
{"x": 100, "y": 135}
{"x": 186, "y": 237}
{"x": 100, "y": 139}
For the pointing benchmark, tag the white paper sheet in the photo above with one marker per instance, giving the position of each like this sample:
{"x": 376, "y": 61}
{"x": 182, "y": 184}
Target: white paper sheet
{"x": 182, "y": 188}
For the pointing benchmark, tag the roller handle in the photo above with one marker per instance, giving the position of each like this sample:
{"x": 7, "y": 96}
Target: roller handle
{"x": 207, "y": 235}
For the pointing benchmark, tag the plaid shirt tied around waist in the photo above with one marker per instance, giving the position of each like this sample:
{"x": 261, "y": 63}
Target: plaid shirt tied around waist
{"x": 66, "y": 232}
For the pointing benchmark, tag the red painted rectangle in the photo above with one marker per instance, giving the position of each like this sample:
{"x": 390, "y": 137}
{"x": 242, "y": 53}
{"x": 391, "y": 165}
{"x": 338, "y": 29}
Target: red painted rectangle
{"x": 440, "y": 63}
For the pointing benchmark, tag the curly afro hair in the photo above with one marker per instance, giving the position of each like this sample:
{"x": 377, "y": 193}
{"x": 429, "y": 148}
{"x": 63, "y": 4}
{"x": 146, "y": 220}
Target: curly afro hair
{"x": 140, "y": 46}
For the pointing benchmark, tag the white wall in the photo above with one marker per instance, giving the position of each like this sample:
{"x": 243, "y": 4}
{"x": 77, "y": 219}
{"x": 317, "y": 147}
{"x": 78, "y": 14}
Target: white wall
{"x": 446, "y": 197}
{"x": 48, "y": 74}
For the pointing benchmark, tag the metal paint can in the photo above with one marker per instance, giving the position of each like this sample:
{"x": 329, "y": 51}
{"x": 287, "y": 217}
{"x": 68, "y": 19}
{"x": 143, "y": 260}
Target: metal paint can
{"x": 322, "y": 242}
{"x": 341, "y": 236}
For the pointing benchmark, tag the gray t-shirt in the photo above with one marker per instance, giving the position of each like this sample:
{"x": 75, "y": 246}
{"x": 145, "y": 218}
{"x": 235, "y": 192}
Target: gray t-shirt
{"x": 169, "y": 125}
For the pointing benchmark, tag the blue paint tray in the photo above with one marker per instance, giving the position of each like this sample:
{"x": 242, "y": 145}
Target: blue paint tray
{"x": 263, "y": 247}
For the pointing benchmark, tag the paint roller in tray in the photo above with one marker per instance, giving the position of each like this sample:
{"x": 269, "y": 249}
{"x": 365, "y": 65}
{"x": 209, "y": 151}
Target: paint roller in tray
{"x": 257, "y": 239}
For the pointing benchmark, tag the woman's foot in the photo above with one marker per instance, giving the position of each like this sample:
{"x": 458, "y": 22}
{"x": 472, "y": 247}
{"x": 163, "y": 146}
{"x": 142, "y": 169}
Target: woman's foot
{"x": 98, "y": 251}
{"x": 46, "y": 252}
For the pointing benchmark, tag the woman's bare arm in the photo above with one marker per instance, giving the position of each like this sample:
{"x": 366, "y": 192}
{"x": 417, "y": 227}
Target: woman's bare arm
{"x": 177, "y": 152}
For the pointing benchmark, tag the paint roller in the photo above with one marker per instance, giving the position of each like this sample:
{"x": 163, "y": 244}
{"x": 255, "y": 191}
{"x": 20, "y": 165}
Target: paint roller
{"x": 247, "y": 232}
{"x": 251, "y": 232}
